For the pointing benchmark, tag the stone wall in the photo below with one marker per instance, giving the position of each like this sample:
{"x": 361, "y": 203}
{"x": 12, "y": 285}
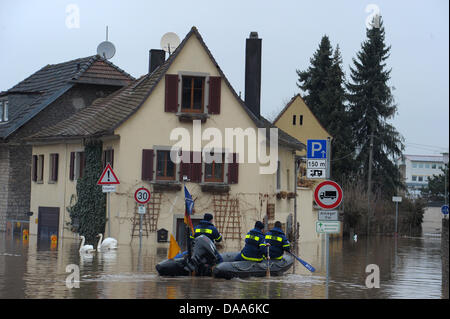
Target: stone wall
{"x": 4, "y": 177}
{"x": 444, "y": 256}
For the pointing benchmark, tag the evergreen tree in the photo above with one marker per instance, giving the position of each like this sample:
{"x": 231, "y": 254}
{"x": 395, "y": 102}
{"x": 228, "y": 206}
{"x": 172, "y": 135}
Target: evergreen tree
{"x": 88, "y": 214}
{"x": 371, "y": 104}
{"x": 323, "y": 83}
{"x": 435, "y": 190}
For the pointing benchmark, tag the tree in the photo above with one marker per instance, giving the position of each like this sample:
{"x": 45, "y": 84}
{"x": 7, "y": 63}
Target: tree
{"x": 435, "y": 190}
{"x": 88, "y": 215}
{"x": 371, "y": 105}
{"x": 323, "y": 83}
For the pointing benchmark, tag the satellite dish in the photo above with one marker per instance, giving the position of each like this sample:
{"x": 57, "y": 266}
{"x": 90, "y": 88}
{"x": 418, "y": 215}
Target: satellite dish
{"x": 169, "y": 42}
{"x": 106, "y": 50}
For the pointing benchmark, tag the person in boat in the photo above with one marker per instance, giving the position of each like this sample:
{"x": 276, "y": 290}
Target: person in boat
{"x": 277, "y": 242}
{"x": 255, "y": 247}
{"x": 207, "y": 228}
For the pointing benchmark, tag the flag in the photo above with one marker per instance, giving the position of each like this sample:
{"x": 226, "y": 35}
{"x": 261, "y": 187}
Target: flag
{"x": 174, "y": 248}
{"x": 189, "y": 209}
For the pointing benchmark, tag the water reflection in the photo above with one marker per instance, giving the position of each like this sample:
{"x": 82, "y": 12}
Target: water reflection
{"x": 409, "y": 268}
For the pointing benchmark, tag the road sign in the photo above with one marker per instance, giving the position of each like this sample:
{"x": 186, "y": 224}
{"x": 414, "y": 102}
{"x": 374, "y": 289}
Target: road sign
{"x": 326, "y": 215}
{"x": 312, "y": 173}
{"x": 142, "y": 195}
{"x": 108, "y": 188}
{"x": 141, "y": 209}
{"x": 328, "y": 194}
{"x": 444, "y": 209}
{"x": 316, "y": 163}
{"x": 397, "y": 199}
{"x": 108, "y": 177}
{"x": 316, "y": 149}
{"x": 328, "y": 227}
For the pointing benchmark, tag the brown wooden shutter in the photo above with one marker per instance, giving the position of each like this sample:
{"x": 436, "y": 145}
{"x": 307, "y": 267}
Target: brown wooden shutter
{"x": 72, "y": 166}
{"x": 54, "y": 159}
{"x": 196, "y": 174}
{"x": 233, "y": 170}
{"x": 186, "y": 168}
{"x": 147, "y": 165}
{"x": 34, "y": 168}
{"x": 171, "y": 101}
{"x": 214, "y": 95}
{"x": 82, "y": 163}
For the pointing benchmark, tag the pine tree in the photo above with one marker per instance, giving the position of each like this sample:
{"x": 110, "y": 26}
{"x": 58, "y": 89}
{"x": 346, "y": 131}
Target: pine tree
{"x": 88, "y": 213}
{"x": 325, "y": 95}
{"x": 371, "y": 105}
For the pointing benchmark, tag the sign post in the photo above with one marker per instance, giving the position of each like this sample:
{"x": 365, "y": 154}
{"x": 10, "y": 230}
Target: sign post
{"x": 396, "y": 199}
{"x": 108, "y": 180}
{"x": 141, "y": 196}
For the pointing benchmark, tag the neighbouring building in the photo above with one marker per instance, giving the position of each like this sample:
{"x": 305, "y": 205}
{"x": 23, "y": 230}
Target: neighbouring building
{"x": 139, "y": 124}
{"x": 45, "y": 98}
{"x": 416, "y": 169}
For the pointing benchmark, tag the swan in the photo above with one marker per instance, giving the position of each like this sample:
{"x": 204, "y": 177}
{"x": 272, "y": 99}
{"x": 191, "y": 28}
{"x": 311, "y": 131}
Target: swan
{"x": 108, "y": 243}
{"x": 85, "y": 249}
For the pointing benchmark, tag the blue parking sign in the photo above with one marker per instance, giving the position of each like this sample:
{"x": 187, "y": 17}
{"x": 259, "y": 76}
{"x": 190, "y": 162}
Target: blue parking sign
{"x": 316, "y": 149}
{"x": 444, "y": 209}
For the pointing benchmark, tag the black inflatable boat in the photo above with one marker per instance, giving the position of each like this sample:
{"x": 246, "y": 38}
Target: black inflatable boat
{"x": 204, "y": 258}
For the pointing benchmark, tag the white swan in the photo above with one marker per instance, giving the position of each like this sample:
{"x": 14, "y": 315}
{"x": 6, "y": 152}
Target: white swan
{"x": 108, "y": 243}
{"x": 85, "y": 249}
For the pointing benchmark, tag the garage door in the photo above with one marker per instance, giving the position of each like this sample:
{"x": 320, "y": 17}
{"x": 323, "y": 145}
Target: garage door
{"x": 48, "y": 223}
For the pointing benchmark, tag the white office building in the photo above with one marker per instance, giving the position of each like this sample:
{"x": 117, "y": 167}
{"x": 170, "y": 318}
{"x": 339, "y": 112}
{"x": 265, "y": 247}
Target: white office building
{"x": 417, "y": 168}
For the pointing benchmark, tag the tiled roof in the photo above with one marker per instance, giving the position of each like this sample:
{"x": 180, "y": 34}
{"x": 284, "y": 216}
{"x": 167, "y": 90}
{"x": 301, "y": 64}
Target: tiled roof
{"x": 118, "y": 107}
{"x": 32, "y": 95}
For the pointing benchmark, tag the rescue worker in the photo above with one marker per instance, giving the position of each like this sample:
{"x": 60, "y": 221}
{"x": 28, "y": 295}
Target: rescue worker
{"x": 255, "y": 247}
{"x": 207, "y": 228}
{"x": 276, "y": 239}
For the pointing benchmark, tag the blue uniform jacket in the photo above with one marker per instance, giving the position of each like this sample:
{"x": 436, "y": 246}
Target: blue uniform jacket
{"x": 208, "y": 229}
{"x": 278, "y": 243}
{"x": 255, "y": 247}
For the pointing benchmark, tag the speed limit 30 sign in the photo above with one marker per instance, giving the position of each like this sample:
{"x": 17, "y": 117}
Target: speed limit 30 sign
{"x": 142, "y": 195}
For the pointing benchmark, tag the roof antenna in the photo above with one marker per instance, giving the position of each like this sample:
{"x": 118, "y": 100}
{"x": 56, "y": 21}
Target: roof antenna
{"x": 106, "y": 49}
{"x": 169, "y": 42}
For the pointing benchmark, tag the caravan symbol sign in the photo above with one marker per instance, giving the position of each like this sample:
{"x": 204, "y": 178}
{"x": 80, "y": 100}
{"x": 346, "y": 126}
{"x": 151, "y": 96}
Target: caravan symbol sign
{"x": 328, "y": 195}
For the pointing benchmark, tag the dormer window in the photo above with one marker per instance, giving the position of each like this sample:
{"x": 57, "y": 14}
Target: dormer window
{"x": 4, "y": 111}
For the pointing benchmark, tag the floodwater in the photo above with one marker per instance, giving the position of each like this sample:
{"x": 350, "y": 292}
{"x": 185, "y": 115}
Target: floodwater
{"x": 408, "y": 268}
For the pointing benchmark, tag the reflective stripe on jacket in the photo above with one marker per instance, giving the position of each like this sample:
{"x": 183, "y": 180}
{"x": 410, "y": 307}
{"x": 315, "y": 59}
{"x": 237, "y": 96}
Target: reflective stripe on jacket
{"x": 278, "y": 243}
{"x": 255, "y": 247}
{"x": 208, "y": 229}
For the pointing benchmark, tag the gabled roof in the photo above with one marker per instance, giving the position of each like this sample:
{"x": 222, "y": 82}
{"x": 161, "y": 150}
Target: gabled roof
{"x": 30, "y": 96}
{"x": 298, "y": 96}
{"x": 118, "y": 107}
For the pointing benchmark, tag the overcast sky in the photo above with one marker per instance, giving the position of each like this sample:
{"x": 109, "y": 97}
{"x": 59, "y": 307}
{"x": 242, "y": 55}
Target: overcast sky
{"x": 36, "y": 33}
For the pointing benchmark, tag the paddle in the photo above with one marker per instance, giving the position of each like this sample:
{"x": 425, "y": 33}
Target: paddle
{"x": 304, "y": 263}
{"x": 268, "y": 263}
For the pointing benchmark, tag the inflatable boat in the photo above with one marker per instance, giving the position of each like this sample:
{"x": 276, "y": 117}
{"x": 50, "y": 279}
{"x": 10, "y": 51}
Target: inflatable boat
{"x": 203, "y": 263}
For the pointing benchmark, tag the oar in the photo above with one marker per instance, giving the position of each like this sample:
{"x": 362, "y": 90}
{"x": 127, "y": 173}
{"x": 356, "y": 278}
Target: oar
{"x": 304, "y": 263}
{"x": 268, "y": 263}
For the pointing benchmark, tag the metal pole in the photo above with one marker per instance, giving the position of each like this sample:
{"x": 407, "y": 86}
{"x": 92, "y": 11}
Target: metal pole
{"x": 140, "y": 230}
{"x": 109, "y": 214}
{"x": 295, "y": 202}
{"x": 396, "y": 218}
{"x": 327, "y": 248}
{"x": 328, "y": 161}
{"x": 369, "y": 183}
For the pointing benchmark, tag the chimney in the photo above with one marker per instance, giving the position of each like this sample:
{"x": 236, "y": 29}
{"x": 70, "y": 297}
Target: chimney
{"x": 253, "y": 73}
{"x": 156, "y": 58}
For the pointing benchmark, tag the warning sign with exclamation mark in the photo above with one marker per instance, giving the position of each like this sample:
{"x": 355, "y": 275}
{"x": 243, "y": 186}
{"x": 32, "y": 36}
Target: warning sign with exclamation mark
{"x": 108, "y": 177}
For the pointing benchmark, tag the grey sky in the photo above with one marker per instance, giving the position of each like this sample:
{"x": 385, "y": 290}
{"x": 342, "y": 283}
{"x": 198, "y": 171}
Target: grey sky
{"x": 34, "y": 33}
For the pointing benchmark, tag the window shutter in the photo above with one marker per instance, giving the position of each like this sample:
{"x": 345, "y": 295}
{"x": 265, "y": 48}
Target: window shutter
{"x": 82, "y": 163}
{"x": 233, "y": 170}
{"x": 147, "y": 165}
{"x": 72, "y": 166}
{"x": 186, "y": 168}
{"x": 55, "y": 167}
{"x": 196, "y": 176}
{"x": 171, "y": 101}
{"x": 34, "y": 168}
{"x": 214, "y": 95}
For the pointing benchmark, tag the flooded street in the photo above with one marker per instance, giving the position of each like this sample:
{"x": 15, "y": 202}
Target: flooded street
{"x": 409, "y": 268}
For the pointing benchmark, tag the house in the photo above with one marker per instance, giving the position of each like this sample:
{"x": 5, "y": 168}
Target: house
{"x": 299, "y": 121}
{"x": 45, "y": 98}
{"x": 416, "y": 169}
{"x": 186, "y": 95}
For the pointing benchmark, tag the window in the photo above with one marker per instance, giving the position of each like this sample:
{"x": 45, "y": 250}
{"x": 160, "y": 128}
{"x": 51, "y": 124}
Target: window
{"x": 433, "y": 166}
{"x": 300, "y": 120}
{"x": 53, "y": 167}
{"x": 38, "y": 168}
{"x": 3, "y": 111}
{"x": 77, "y": 164}
{"x": 420, "y": 165}
{"x": 288, "y": 180}
{"x": 278, "y": 176}
{"x": 294, "y": 117}
{"x": 108, "y": 157}
{"x": 192, "y": 97}
{"x": 214, "y": 172}
{"x": 414, "y": 165}
{"x": 165, "y": 168}
{"x": 427, "y": 165}
{"x": 420, "y": 178}
{"x": 414, "y": 178}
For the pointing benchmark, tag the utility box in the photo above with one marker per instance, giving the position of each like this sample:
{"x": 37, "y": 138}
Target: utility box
{"x": 162, "y": 235}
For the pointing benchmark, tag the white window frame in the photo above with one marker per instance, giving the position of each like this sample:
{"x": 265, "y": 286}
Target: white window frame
{"x": 206, "y": 92}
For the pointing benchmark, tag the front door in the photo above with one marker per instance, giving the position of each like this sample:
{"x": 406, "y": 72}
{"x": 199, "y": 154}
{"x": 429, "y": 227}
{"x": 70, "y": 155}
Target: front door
{"x": 48, "y": 224}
